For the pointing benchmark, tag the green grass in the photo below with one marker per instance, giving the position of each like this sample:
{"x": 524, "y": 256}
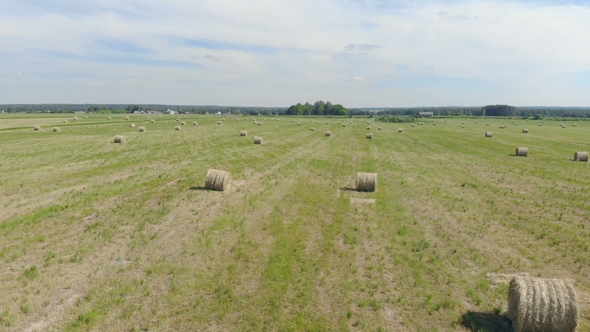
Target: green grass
{"x": 122, "y": 236}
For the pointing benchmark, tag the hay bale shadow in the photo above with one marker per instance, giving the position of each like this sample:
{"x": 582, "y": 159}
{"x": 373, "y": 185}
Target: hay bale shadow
{"x": 486, "y": 322}
{"x": 198, "y": 188}
{"x": 347, "y": 189}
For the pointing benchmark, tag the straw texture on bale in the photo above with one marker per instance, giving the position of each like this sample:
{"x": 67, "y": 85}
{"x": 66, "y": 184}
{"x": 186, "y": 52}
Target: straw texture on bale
{"x": 132, "y": 125}
{"x": 525, "y": 130}
{"x": 56, "y": 129}
{"x": 366, "y": 181}
{"x": 537, "y": 304}
{"x": 521, "y": 152}
{"x": 400, "y": 130}
{"x": 37, "y": 128}
{"x": 581, "y": 156}
{"x": 218, "y": 180}
{"x": 243, "y": 133}
{"x": 328, "y": 133}
{"x": 119, "y": 139}
{"x": 142, "y": 129}
{"x": 369, "y": 136}
{"x": 177, "y": 128}
{"x": 488, "y": 134}
{"x": 258, "y": 140}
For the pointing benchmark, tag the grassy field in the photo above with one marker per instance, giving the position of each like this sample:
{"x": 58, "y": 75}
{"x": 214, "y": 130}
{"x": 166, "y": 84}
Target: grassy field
{"x": 123, "y": 237}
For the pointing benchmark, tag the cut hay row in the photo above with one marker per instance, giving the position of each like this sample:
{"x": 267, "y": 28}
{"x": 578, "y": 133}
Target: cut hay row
{"x": 366, "y": 181}
{"x": 521, "y": 152}
{"x": 536, "y": 304}
{"x": 258, "y": 140}
{"x": 581, "y": 156}
{"x": 119, "y": 139}
{"x": 218, "y": 180}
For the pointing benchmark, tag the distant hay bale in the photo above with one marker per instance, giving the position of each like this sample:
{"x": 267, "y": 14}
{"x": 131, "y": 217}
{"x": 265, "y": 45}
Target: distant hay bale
{"x": 142, "y": 129}
{"x": 462, "y": 123}
{"x": 537, "y": 304}
{"x": 368, "y": 122}
{"x": 299, "y": 124}
{"x": 218, "y": 180}
{"x": 564, "y": 126}
{"x": 183, "y": 123}
{"x": 487, "y": 124}
{"x": 75, "y": 118}
{"x": 540, "y": 125}
{"x": 369, "y": 136}
{"x": 581, "y": 156}
{"x": 462, "y": 126}
{"x": 327, "y": 123}
{"x": 317, "y": 122}
{"x": 400, "y": 130}
{"x": 343, "y": 125}
{"x": 413, "y": 125}
{"x": 153, "y": 121}
{"x": 177, "y": 128}
{"x": 434, "y": 124}
{"x": 488, "y": 134}
{"x": 119, "y": 139}
{"x": 366, "y": 181}
{"x": 178, "y": 120}
{"x": 521, "y": 152}
{"x": 259, "y": 123}
{"x": 243, "y": 133}
{"x": 368, "y": 128}
{"x": 312, "y": 128}
{"x": 219, "y": 122}
{"x": 85, "y": 117}
{"x": 328, "y": 133}
{"x": 109, "y": 118}
{"x": 525, "y": 131}
{"x": 127, "y": 118}
{"x": 56, "y": 129}
{"x": 65, "y": 121}
{"x": 575, "y": 125}
{"x": 258, "y": 140}
{"x": 37, "y": 128}
{"x": 132, "y": 125}
{"x": 379, "y": 128}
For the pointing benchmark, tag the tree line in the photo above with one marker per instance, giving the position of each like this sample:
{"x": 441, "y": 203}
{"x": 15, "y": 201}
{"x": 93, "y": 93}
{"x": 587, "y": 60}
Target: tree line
{"x": 318, "y": 108}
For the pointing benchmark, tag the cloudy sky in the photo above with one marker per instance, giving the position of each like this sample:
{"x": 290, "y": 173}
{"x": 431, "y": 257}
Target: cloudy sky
{"x": 360, "y": 53}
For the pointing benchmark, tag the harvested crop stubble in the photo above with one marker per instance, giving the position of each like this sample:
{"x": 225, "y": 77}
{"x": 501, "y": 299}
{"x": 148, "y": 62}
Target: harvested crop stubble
{"x": 243, "y": 133}
{"x": 525, "y": 130}
{"x": 119, "y": 139}
{"x": 132, "y": 125}
{"x": 488, "y": 134}
{"x": 37, "y": 128}
{"x": 581, "y": 156}
{"x": 218, "y": 180}
{"x": 142, "y": 129}
{"x": 328, "y": 133}
{"x": 56, "y": 129}
{"x": 258, "y": 140}
{"x": 521, "y": 152}
{"x": 537, "y": 304}
{"x": 177, "y": 128}
{"x": 366, "y": 181}
{"x": 400, "y": 130}
{"x": 369, "y": 136}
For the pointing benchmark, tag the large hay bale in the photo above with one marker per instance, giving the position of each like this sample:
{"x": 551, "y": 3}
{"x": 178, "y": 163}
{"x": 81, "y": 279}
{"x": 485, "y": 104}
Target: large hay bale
{"x": 37, "y": 128}
{"x": 243, "y": 133}
{"x": 328, "y": 133}
{"x": 537, "y": 304}
{"x": 132, "y": 125}
{"x": 366, "y": 181}
{"x": 218, "y": 180}
{"x": 56, "y": 129}
{"x": 119, "y": 139}
{"x": 581, "y": 156}
{"x": 525, "y": 131}
{"x": 540, "y": 125}
{"x": 258, "y": 140}
{"x": 142, "y": 129}
{"x": 400, "y": 130}
{"x": 488, "y": 134}
{"x": 369, "y": 136}
{"x": 521, "y": 152}
{"x": 177, "y": 128}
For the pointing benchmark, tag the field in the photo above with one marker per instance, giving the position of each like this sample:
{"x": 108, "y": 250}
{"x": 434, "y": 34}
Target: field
{"x": 123, "y": 237}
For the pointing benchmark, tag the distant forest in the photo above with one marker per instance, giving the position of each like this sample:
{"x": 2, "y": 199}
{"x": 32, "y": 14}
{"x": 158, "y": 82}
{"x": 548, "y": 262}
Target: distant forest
{"x": 319, "y": 108}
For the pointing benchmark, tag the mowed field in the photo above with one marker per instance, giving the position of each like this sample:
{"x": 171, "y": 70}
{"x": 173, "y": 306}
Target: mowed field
{"x": 124, "y": 237}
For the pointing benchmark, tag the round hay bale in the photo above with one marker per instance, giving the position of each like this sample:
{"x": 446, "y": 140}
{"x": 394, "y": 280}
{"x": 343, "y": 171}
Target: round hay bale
{"x": 379, "y": 128}
{"x": 487, "y": 124}
{"x": 328, "y": 133}
{"x": 540, "y": 125}
{"x": 368, "y": 122}
{"x": 299, "y": 124}
{"x": 366, "y": 181}
{"x": 37, "y": 128}
{"x": 434, "y": 124}
{"x": 178, "y": 120}
{"x": 127, "y": 118}
{"x": 488, "y": 134}
{"x": 575, "y": 125}
{"x": 317, "y": 122}
{"x": 109, "y": 118}
{"x": 369, "y": 136}
{"x": 65, "y": 121}
{"x": 368, "y": 128}
{"x": 153, "y": 121}
{"x": 327, "y": 123}
{"x": 75, "y": 118}
{"x": 218, "y": 180}
{"x": 521, "y": 152}
{"x": 85, "y": 117}
{"x": 525, "y": 131}
{"x": 413, "y": 125}
{"x": 400, "y": 130}
{"x": 219, "y": 122}
{"x": 183, "y": 123}
{"x": 537, "y": 304}
{"x": 581, "y": 156}
{"x": 258, "y": 140}
{"x": 343, "y": 125}
{"x": 177, "y": 128}
{"x": 564, "y": 126}
{"x": 259, "y": 124}
{"x": 56, "y": 129}
{"x": 462, "y": 126}
{"x": 119, "y": 139}
{"x": 462, "y": 123}
{"x": 243, "y": 133}
{"x": 312, "y": 128}
{"x": 132, "y": 125}
{"x": 141, "y": 129}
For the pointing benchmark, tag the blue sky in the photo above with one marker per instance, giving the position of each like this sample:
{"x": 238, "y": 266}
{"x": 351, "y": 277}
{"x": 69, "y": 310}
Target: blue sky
{"x": 360, "y": 53}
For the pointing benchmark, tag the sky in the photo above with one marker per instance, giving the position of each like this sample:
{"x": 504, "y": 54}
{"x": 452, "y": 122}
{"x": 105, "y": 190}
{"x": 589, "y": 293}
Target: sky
{"x": 358, "y": 53}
